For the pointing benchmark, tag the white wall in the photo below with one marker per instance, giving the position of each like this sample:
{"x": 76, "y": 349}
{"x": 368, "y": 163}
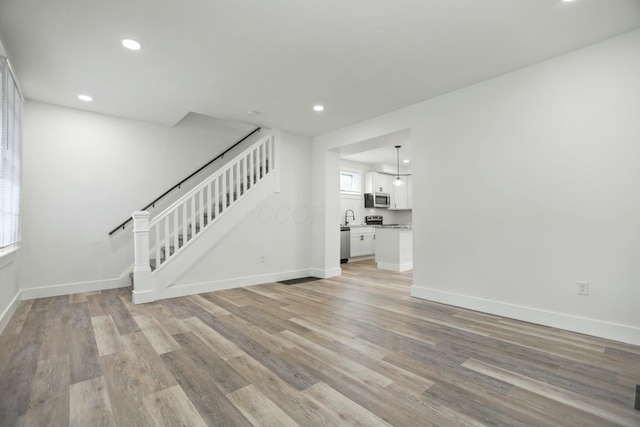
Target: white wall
{"x": 325, "y": 190}
{"x": 83, "y": 174}
{"x": 529, "y": 183}
{"x": 274, "y": 242}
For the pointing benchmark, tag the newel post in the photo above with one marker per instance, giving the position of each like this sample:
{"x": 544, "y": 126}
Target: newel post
{"x": 142, "y": 286}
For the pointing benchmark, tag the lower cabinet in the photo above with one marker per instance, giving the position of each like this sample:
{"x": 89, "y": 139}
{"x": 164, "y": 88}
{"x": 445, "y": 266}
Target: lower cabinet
{"x": 362, "y": 241}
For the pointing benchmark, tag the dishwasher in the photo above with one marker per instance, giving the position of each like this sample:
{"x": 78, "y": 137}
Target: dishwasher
{"x": 345, "y": 244}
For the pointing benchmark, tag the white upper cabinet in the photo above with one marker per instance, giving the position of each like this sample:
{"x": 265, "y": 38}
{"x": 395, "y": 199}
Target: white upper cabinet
{"x": 401, "y": 195}
{"x": 410, "y": 192}
{"x": 375, "y": 182}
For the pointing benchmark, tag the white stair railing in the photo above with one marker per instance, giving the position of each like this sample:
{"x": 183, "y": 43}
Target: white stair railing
{"x": 175, "y": 227}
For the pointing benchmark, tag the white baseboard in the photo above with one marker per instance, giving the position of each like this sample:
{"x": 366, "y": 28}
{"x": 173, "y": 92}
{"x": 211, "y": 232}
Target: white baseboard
{"x": 361, "y": 258}
{"x": 395, "y": 267}
{"x": 598, "y": 328}
{"x": 8, "y": 312}
{"x": 75, "y": 288}
{"x": 236, "y": 282}
{"x": 142, "y": 297}
{"x": 325, "y": 273}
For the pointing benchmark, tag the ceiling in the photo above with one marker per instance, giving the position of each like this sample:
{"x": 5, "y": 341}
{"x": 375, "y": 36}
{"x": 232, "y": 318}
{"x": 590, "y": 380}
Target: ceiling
{"x": 221, "y": 58}
{"x": 384, "y": 155}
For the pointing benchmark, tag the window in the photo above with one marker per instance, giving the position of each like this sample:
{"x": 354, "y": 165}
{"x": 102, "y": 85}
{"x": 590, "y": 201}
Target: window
{"x": 10, "y": 157}
{"x": 349, "y": 182}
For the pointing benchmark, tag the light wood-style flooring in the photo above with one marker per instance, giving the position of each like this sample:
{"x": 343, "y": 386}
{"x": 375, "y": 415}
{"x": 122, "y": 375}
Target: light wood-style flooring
{"x": 355, "y": 350}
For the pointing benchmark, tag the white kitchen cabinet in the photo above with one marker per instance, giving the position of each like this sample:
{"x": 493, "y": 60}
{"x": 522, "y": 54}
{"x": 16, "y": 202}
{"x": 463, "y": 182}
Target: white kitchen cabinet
{"x": 401, "y": 195}
{"x": 410, "y": 192}
{"x": 375, "y": 182}
{"x": 362, "y": 241}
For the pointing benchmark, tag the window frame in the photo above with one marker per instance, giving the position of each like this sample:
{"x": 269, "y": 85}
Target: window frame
{"x": 11, "y": 102}
{"x": 357, "y": 176}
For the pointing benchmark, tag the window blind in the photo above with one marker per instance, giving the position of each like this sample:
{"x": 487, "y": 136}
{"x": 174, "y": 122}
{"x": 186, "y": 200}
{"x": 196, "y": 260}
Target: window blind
{"x": 10, "y": 156}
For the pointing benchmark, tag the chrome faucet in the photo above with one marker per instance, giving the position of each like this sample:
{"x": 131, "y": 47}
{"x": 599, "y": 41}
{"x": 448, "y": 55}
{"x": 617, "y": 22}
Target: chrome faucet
{"x": 346, "y": 216}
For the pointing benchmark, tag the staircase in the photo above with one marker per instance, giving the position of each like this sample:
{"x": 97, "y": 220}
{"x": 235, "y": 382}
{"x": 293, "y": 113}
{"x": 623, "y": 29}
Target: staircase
{"x": 172, "y": 232}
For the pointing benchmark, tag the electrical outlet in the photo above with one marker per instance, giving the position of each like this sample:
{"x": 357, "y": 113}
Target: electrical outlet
{"x": 583, "y": 288}
{"x": 262, "y": 258}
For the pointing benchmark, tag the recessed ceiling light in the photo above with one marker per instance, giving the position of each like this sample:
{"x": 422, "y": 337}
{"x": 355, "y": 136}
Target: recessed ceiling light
{"x": 567, "y": 1}
{"x": 318, "y": 108}
{"x": 253, "y": 112}
{"x": 85, "y": 98}
{"x": 131, "y": 44}
{"x": 406, "y": 161}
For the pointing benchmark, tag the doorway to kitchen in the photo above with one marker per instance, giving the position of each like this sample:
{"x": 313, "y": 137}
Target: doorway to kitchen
{"x": 359, "y": 166}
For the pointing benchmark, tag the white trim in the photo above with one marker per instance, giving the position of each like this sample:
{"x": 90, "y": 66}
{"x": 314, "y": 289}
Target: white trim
{"x": 406, "y": 266}
{"x": 142, "y": 297}
{"x": 75, "y": 288}
{"x": 13, "y": 75}
{"x": 5, "y": 317}
{"x": 277, "y": 160}
{"x": 325, "y": 273}
{"x": 236, "y": 282}
{"x": 354, "y": 172}
{"x": 362, "y": 257}
{"x": 598, "y": 328}
{"x": 8, "y": 255}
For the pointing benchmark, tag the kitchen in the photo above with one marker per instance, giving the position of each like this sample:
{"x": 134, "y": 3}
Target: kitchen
{"x": 376, "y": 207}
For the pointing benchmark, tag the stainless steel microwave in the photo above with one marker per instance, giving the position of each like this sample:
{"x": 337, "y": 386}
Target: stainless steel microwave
{"x": 377, "y": 200}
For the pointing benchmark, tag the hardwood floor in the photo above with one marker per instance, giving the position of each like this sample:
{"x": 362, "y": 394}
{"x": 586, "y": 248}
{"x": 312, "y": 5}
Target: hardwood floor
{"x": 350, "y": 351}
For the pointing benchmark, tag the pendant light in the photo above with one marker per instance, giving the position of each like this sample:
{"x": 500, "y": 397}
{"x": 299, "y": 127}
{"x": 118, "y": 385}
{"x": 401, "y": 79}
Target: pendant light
{"x": 397, "y": 181}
